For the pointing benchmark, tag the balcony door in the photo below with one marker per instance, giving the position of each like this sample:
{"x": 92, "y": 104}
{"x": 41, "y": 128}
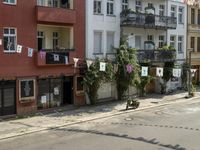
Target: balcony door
{"x": 41, "y": 40}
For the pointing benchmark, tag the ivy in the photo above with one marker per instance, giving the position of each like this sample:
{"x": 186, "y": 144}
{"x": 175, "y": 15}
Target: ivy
{"x": 94, "y": 78}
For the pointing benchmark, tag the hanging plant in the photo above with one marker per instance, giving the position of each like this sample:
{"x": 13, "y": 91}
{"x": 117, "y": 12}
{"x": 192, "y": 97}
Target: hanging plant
{"x": 127, "y": 69}
{"x": 94, "y": 78}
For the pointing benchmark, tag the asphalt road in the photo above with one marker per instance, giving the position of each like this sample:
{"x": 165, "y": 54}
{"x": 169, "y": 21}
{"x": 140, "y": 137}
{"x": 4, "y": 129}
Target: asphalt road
{"x": 172, "y": 127}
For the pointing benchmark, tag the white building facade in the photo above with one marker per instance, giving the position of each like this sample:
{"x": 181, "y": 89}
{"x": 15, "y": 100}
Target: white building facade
{"x": 105, "y": 24}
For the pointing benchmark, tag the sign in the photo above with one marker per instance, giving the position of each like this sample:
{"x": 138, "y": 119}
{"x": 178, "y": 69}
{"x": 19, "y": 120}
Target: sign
{"x": 43, "y": 99}
{"x": 56, "y": 91}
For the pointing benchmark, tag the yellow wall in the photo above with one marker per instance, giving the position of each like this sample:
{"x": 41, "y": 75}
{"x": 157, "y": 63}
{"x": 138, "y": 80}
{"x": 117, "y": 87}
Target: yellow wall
{"x": 65, "y": 40}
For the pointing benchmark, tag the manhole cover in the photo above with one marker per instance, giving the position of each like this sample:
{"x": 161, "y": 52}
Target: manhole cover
{"x": 128, "y": 119}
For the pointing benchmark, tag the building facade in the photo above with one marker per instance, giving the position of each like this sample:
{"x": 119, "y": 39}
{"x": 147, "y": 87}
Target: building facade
{"x": 102, "y": 34}
{"x": 193, "y": 40}
{"x": 147, "y": 25}
{"x": 38, "y": 41}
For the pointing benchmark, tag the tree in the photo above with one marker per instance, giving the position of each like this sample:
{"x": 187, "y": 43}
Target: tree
{"x": 127, "y": 69}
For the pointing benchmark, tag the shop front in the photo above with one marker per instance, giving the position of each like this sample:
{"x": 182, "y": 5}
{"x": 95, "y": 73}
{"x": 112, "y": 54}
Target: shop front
{"x": 55, "y": 92}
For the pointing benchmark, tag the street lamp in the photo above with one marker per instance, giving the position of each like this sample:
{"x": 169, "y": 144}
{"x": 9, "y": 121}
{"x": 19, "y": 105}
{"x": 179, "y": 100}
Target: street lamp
{"x": 189, "y": 82}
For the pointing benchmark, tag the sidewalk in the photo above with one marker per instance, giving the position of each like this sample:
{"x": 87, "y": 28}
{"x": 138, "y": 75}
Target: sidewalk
{"x": 59, "y": 118}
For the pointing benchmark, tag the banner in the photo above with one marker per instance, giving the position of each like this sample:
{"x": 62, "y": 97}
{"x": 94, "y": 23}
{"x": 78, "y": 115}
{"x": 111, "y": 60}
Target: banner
{"x": 89, "y": 63}
{"x": 75, "y": 62}
{"x": 193, "y": 71}
{"x": 56, "y": 57}
{"x": 177, "y": 73}
{"x": 159, "y": 72}
{"x": 30, "y": 52}
{"x": 144, "y": 71}
{"x": 19, "y": 48}
{"x": 66, "y": 60}
{"x": 42, "y": 54}
{"x": 102, "y": 66}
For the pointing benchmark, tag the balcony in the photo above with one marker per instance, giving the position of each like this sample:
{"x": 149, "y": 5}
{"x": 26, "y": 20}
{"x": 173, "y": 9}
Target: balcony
{"x": 156, "y": 55}
{"x": 54, "y": 11}
{"x": 51, "y": 57}
{"x": 195, "y": 58}
{"x": 149, "y": 21}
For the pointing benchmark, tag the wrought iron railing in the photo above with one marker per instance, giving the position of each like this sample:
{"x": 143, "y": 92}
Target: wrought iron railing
{"x": 147, "y": 20}
{"x": 156, "y": 55}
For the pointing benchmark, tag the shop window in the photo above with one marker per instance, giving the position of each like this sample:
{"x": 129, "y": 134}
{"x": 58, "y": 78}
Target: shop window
{"x": 27, "y": 89}
{"x": 49, "y": 93}
{"x": 79, "y": 85}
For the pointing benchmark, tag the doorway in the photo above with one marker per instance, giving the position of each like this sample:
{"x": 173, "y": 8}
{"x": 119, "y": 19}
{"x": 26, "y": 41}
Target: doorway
{"x": 7, "y": 98}
{"x": 68, "y": 90}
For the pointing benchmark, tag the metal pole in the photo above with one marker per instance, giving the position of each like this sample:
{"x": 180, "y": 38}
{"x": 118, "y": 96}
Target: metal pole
{"x": 189, "y": 83}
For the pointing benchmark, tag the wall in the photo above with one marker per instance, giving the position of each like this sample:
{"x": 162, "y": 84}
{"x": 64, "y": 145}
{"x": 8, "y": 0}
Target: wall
{"x": 181, "y": 29}
{"x": 19, "y": 66}
{"x": 102, "y": 23}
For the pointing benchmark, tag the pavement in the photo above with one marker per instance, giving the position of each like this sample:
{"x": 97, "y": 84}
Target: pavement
{"x": 64, "y": 117}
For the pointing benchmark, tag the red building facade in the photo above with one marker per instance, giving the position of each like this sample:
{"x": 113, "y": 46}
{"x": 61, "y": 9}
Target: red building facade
{"x": 54, "y": 30}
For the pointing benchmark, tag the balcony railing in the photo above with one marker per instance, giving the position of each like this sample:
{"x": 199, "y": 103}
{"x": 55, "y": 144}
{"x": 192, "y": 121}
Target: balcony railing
{"x": 151, "y": 21}
{"x": 156, "y": 55}
{"x": 58, "y": 50}
{"x": 53, "y": 56}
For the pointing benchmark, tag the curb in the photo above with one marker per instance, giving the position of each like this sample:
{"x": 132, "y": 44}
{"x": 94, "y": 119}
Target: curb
{"x": 112, "y": 114}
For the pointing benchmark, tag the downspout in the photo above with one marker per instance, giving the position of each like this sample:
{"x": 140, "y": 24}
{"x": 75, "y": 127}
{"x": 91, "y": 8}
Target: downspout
{"x": 166, "y": 3}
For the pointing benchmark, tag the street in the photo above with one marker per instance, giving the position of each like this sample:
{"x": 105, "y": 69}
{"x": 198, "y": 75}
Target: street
{"x": 175, "y": 126}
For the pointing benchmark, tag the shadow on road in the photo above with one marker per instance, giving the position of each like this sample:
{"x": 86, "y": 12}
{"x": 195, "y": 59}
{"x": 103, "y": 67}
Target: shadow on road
{"x": 153, "y": 141}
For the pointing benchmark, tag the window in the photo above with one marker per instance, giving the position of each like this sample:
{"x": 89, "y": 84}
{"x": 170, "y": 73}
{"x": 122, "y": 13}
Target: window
{"x": 9, "y": 39}
{"x": 124, "y": 4}
{"x": 41, "y": 40}
{"x": 40, "y": 2}
{"x": 198, "y": 16}
{"x": 150, "y": 5}
{"x": 97, "y": 7}
{"x": 150, "y": 38}
{"x": 173, "y": 41}
{"x": 161, "y": 10}
{"x": 192, "y": 42}
{"x": 192, "y": 16}
{"x": 10, "y": 1}
{"x": 138, "y": 5}
{"x": 110, "y": 7}
{"x": 53, "y": 3}
{"x": 110, "y": 41}
{"x": 55, "y": 40}
{"x": 161, "y": 41}
{"x": 97, "y": 42}
{"x": 198, "y": 44}
{"x": 27, "y": 89}
{"x": 138, "y": 42}
{"x": 180, "y": 44}
{"x": 173, "y": 11}
{"x": 180, "y": 15}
